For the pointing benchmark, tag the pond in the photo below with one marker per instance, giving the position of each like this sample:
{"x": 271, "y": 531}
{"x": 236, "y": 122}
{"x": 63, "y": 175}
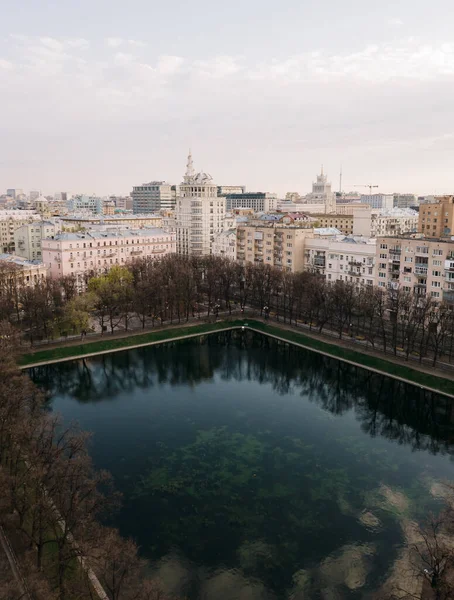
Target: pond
{"x": 254, "y": 469}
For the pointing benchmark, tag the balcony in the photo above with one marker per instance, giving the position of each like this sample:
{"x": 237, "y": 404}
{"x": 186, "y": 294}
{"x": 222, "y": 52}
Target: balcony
{"x": 355, "y": 263}
{"x": 354, "y": 273}
{"x": 420, "y": 270}
{"x": 319, "y": 261}
{"x": 134, "y": 252}
{"x": 448, "y": 296}
{"x": 449, "y": 265}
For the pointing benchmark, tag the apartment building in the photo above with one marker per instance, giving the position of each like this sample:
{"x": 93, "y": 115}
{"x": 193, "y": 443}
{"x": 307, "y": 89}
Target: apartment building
{"x": 199, "y": 213}
{"x": 436, "y": 218}
{"x": 24, "y": 271}
{"x": 28, "y": 237}
{"x": 420, "y": 265}
{"x": 81, "y": 202}
{"x": 152, "y": 197}
{"x": 405, "y": 200}
{"x": 79, "y": 253}
{"x": 76, "y": 222}
{"x": 224, "y": 244}
{"x": 256, "y": 201}
{"x": 274, "y": 244}
{"x": 341, "y": 258}
{"x": 378, "y": 200}
{"x": 10, "y": 220}
{"x": 342, "y": 222}
{"x": 394, "y": 221}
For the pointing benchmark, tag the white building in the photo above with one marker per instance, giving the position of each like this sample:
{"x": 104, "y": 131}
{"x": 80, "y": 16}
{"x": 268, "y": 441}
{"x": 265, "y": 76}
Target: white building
{"x": 10, "y": 220}
{"x": 152, "y": 197}
{"x": 256, "y": 201}
{"x": 224, "y": 244}
{"x": 378, "y": 200}
{"x": 322, "y": 194}
{"x": 394, "y": 221}
{"x": 350, "y": 259}
{"x": 27, "y": 238}
{"x": 199, "y": 213}
{"x": 81, "y": 202}
{"x": 28, "y": 272}
{"x": 80, "y": 253}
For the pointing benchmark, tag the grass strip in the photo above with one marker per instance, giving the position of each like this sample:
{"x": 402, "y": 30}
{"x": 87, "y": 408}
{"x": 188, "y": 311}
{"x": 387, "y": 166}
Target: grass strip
{"x": 123, "y": 342}
{"x": 385, "y": 365}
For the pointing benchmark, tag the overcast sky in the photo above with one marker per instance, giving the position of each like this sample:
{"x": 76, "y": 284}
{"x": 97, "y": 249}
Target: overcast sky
{"x": 99, "y": 95}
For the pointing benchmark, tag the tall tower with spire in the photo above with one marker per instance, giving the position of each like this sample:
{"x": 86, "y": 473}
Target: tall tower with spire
{"x": 189, "y": 175}
{"x": 322, "y": 193}
{"x": 199, "y": 212}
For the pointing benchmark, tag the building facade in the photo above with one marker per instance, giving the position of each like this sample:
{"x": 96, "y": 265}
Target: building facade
{"x": 422, "y": 266}
{"x": 405, "y": 200}
{"x": 224, "y": 190}
{"x": 76, "y": 222}
{"x": 379, "y": 201}
{"x": 10, "y": 220}
{"x": 274, "y": 244}
{"x": 81, "y": 202}
{"x": 152, "y": 197}
{"x": 224, "y": 244}
{"x": 342, "y": 222}
{"x": 350, "y": 259}
{"x": 27, "y": 238}
{"x": 395, "y": 221}
{"x": 256, "y": 201}
{"x": 97, "y": 251}
{"x": 199, "y": 213}
{"x": 436, "y": 218}
{"x": 24, "y": 271}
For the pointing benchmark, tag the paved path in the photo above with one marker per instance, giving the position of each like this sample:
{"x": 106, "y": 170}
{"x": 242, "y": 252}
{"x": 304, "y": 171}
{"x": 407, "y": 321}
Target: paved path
{"x": 9, "y": 552}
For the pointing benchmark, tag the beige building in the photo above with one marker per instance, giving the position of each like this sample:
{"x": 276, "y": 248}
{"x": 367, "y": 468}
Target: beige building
{"x": 273, "y": 244}
{"x": 436, "y": 219}
{"x": 25, "y": 271}
{"x": 423, "y": 266}
{"x": 342, "y": 222}
{"x": 199, "y": 213}
{"x": 77, "y": 222}
{"x": 27, "y": 238}
{"x": 350, "y": 259}
{"x": 10, "y": 220}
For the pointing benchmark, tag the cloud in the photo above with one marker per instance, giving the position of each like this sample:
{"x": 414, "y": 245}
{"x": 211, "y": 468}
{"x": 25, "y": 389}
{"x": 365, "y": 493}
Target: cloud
{"x": 5, "y": 64}
{"x": 169, "y": 65}
{"x": 395, "y": 22}
{"x": 114, "y": 42}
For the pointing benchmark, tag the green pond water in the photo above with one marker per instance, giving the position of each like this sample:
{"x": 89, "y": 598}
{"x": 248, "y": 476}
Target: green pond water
{"x": 252, "y": 469}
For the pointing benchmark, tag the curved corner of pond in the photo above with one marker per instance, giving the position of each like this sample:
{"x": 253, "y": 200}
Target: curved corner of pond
{"x": 252, "y": 468}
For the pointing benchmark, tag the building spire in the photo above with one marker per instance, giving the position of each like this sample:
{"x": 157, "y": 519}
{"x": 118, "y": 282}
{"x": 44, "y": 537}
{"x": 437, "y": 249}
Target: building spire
{"x": 189, "y": 168}
{"x": 322, "y": 171}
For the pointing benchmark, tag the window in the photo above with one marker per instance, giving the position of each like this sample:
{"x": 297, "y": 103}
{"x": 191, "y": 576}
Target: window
{"x": 437, "y": 252}
{"x": 384, "y": 246}
{"x": 437, "y": 263}
{"x": 383, "y": 256}
{"x": 409, "y": 259}
{"x": 436, "y": 273}
{"x": 381, "y": 284}
{"x": 435, "y": 294}
{"x": 382, "y": 275}
{"x": 408, "y": 279}
{"x": 436, "y": 284}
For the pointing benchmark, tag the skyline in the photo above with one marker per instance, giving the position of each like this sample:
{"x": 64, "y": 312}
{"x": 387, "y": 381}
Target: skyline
{"x": 263, "y": 97}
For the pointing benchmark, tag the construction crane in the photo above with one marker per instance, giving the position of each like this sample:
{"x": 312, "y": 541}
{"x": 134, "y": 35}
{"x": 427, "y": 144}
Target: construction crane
{"x": 367, "y": 186}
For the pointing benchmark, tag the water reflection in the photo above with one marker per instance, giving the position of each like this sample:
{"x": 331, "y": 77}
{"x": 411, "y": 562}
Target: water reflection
{"x": 253, "y": 469}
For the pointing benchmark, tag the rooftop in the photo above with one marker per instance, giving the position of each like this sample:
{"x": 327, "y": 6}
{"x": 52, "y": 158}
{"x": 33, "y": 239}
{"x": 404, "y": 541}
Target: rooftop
{"x": 120, "y": 233}
{"x": 19, "y": 261}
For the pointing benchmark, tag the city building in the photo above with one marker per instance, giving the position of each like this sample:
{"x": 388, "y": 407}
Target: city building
{"x": 394, "y": 221}
{"x": 34, "y": 194}
{"x": 42, "y": 205}
{"x": 77, "y": 222}
{"x": 81, "y": 202}
{"x": 292, "y": 197}
{"x": 14, "y": 192}
{"x": 342, "y": 222}
{"x": 27, "y": 238}
{"x": 256, "y": 201}
{"x": 405, "y": 200}
{"x": 199, "y": 213}
{"x": 122, "y": 202}
{"x": 436, "y": 219}
{"x": 322, "y": 194}
{"x": 152, "y": 197}
{"x": 224, "y": 190}
{"x": 224, "y": 244}
{"x": 378, "y": 200}
{"x": 108, "y": 207}
{"x": 419, "y": 265}
{"x": 81, "y": 253}
{"x": 28, "y": 272}
{"x": 274, "y": 244}
{"x": 10, "y": 220}
{"x": 340, "y": 258}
